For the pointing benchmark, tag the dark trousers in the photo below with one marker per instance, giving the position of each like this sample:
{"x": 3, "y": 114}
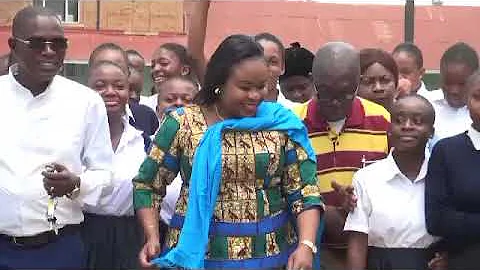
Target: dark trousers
{"x": 398, "y": 258}
{"x": 67, "y": 252}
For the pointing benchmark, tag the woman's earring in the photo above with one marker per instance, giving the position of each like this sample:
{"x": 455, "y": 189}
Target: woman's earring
{"x": 217, "y": 91}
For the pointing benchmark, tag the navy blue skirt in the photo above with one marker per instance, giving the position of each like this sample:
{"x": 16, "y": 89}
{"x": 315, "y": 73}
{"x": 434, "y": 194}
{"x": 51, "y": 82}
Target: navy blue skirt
{"x": 112, "y": 242}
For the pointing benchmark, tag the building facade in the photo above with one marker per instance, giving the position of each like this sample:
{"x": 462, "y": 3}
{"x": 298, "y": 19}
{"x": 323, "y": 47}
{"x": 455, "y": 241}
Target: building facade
{"x": 145, "y": 24}
{"x": 130, "y": 16}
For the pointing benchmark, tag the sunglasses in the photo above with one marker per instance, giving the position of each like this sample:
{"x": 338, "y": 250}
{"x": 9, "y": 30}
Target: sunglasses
{"x": 39, "y": 44}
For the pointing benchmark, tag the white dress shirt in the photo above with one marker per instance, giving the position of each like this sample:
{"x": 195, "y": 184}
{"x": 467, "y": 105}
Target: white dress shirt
{"x": 67, "y": 124}
{"x": 127, "y": 159}
{"x": 390, "y": 207}
{"x": 430, "y": 95}
{"x": 449, "y": 121}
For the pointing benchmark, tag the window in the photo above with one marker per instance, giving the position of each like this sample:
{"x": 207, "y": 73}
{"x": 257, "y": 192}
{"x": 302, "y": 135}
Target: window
{"x": 67, "y": 10}
{"x": 75, "y": 71}
{"x": 78, "y": 71}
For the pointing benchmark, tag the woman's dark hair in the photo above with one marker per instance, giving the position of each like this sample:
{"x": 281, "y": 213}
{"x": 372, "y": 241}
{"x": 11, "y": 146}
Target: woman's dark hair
{"x": 371, "y": 56}
{"x": 134, "y": 52}
{"x": 232, "y": 51}
{"x": 298, "y": 61}
{"x": 107, "y": 63}
{"x": 460, "y": 53}
{"x": 412, "y": 50}
{"x": 184, "y": 78}
{"x": 106, "y": 47}
{"x": 179, "y": 50}
{"x": 271, "y": 38}
{"x": 183, "y": 56}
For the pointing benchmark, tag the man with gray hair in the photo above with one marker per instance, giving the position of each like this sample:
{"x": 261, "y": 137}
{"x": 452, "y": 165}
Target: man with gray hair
{"x": 346, "y": 132}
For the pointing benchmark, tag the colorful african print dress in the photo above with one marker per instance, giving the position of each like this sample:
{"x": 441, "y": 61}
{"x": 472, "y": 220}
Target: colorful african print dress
{"x": 267, "y": 180}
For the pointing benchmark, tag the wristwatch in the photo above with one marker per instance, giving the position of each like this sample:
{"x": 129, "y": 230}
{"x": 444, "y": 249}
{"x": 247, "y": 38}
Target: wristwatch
{"x": 311, "y": 245}
{"x": 75, "y": 191}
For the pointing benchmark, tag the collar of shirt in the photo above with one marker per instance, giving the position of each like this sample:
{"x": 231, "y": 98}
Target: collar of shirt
{"x": 282, "y": 100}
{"x": 129, "y": 113}
{"x": 439, "y": 102}
{"x": 422, "y": 89}
{"x": 449, "y": 121}
{"x": 354, "y": 119}
{"x": 22, "y": 91}
{"x": 430, "y": 95}
{"x": 474, "y": 136}
{"x": 392, "y": 172}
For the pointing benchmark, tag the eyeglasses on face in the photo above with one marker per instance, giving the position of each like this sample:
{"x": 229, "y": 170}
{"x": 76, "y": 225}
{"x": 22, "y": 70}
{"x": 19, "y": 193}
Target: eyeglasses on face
{"x": 39, "y": 44}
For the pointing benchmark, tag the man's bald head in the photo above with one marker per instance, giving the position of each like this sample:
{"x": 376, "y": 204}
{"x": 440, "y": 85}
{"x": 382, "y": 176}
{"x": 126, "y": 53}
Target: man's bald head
{"x": 336, "y": 58}
{"x": 336, "y": 75}
{"x": 38, "y": 46}
{"x": 24, "y": 16}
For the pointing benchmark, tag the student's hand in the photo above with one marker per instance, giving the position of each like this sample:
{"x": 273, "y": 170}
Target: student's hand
{"x": 439, "y": 262}
{"x": 59, "y": 181}
{"x": 149, "y": 251}
{"x": 404, "y": 88}
{"x": 301, "y": 258}
{"x": 348, "y": 198}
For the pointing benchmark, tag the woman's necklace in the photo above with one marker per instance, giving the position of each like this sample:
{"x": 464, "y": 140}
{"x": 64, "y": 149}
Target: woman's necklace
{"x": 217, "y": 113}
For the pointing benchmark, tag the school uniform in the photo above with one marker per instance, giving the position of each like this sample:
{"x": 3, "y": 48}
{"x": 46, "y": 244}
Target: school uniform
{"x": 449, "y": 121}
{"x": 390, "y": 210}
{"x": 67, "y": 124}
{"x": 150, "y": 101}
{"x": 112, "y": 234}
{"x": 452, "y": 198}
{"x": 430, "y": 95}
{"x": 146, "y": 119}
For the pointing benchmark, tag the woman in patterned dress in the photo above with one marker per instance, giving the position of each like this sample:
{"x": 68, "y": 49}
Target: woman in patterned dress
{"x": 265, "y": 174}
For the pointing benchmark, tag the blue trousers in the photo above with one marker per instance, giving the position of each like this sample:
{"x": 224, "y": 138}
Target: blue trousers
{"x": 65, "y": 253}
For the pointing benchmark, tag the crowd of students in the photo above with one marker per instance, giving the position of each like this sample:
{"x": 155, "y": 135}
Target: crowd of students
{"x": 262, "y": 157}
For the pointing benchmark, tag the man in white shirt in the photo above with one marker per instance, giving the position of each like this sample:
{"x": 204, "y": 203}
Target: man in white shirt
{"x": 51, "y": 122}
{"x": 452, "y": 116}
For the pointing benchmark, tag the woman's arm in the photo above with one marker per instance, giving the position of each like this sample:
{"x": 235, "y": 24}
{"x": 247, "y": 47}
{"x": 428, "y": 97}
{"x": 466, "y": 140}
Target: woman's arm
{"x": 196, "y": 36}
{"x": 149, "y": 220}
{"x": 357, "y": 251}
{"x": 307, "y": 223}
{"x": 157, "y": 171}
{"x": 305, "y": 201}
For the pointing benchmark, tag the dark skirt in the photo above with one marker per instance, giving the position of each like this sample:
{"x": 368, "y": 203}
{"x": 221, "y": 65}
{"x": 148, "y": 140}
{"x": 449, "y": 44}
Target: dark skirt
{"x": 398, "y": 258}
{"x": 465, "y": 257}
{"x": 112, "y": 242}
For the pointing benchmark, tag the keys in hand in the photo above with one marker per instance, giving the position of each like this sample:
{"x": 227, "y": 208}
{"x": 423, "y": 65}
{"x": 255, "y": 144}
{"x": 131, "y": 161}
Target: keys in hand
{"x": 51, "y": 204}
{"x": 51, "y": 218}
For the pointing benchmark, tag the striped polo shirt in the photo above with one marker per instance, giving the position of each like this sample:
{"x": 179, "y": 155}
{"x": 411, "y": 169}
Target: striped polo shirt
{"x": 362, "y": 138}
